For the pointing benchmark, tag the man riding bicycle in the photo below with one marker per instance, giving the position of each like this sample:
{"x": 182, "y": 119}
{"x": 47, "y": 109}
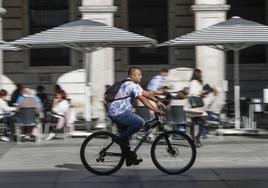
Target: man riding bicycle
{"x": 121, "y": 111}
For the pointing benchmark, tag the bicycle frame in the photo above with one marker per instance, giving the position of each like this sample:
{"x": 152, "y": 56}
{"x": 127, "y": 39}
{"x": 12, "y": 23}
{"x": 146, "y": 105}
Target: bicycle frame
{"x": 171, "y": 140}
{"x": 154, "y": 122}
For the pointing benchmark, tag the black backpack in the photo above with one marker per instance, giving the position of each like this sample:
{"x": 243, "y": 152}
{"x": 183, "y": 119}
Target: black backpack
{"x": 112, "y": 91}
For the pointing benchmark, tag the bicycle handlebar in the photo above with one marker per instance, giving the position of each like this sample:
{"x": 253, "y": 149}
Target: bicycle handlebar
{"x": 156, "y": 115}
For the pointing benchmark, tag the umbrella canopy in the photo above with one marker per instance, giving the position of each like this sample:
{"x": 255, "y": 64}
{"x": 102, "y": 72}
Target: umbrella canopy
{"x": 233, "y": 34}
{"x": 86, "y": 36}
{"x": 82, "y": 35}
{"x": 5, "y": 46}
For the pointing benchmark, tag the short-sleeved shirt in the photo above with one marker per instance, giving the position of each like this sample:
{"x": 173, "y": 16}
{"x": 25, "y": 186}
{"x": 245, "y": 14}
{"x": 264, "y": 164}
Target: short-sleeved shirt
{"x": 21, "y": 98}
{"x": 156, "y": 83}
{"x": 195, "y": 88}
{"x": 128, "y": 88}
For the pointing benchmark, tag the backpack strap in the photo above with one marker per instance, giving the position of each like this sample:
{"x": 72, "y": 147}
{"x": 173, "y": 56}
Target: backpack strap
{"x": 123, "y": 81}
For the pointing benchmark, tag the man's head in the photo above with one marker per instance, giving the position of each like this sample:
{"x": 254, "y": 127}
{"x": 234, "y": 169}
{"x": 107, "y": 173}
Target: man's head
{"x": 28, "y": 92}
{"x": 164, "y": 72}
{"x": 135, "y": 74}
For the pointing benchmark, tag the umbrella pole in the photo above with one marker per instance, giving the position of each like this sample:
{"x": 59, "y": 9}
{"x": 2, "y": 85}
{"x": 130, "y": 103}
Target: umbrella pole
{"x": 236, "y": 89}
{"x": 87, "y": 66}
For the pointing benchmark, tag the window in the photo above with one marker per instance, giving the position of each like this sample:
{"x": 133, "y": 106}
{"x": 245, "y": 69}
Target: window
{"x": 148, "y": 18}
{"x": 251, "y": 10}
{"x": 45, "y": 14}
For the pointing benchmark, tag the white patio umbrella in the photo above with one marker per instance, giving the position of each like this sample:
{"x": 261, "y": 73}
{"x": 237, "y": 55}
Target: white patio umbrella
{"x": 233, "y": 34}
{"x": 86, "y": 36}
{"x": 6, "y": 46}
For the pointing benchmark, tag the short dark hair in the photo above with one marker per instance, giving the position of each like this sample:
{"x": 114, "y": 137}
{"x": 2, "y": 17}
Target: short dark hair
{"x": 132, "y": 69}
{"x": 3, "y": 93}
{"x": 164, "y": 70}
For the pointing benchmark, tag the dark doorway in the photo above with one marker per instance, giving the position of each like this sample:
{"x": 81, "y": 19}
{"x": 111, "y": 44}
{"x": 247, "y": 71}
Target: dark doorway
{"x": 45, "y": 14}
{"x": 149, "y": 18}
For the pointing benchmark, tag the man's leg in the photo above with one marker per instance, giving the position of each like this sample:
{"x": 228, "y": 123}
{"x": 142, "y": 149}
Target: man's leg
{"x": 129, "y": 123}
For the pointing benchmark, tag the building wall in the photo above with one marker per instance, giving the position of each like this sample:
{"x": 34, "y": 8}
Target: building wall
{"x": 16, "y": 64}
{"x": 180, "y": 21}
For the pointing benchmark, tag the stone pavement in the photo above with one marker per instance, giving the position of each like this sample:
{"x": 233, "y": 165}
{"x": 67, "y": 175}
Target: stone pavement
{"x": 223, "y": 162}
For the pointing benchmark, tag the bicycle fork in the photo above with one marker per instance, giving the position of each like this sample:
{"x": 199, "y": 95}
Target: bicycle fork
{"x": 170, "y": 149}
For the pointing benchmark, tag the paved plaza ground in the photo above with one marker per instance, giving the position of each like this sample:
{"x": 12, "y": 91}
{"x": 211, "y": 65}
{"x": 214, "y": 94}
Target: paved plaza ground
{"x": 223, "y": 162}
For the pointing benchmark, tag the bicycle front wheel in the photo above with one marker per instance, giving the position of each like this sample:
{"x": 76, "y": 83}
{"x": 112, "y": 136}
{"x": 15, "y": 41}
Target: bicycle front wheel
{"x": 173, "y": 152}
{"x": 100, "y": 154}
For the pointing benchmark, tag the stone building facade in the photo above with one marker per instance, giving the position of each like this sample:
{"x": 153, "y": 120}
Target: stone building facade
{"x": 159, "y": 19}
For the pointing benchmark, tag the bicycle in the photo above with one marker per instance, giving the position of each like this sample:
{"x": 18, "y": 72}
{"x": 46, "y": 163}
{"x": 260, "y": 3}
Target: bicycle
{"x": 172, "y": 152}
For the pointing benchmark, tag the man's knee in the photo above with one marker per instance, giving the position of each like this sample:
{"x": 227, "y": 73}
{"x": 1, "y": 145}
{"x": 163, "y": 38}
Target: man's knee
{"x": 140, "y": 123}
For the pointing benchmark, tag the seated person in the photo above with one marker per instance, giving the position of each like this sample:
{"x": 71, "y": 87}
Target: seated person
{"x": 27, "y": 100}
{"x": 60, "y": 109}
{"x": 213, "y": 105}
{"x": 30, "y": 94}
{"x": 6, "y": 116}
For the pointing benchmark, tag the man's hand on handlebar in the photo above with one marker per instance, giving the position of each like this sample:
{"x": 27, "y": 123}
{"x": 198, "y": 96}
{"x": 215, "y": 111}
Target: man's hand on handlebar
{"x": 161, "y": 113}
{"x": 160, "y": 105}
{"x": 161, "y": 109}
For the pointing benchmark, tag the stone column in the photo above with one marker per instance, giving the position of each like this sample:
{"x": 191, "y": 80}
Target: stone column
{"x": 102, "y": 61}
{"x": 2, "y": 12}
{"x": 209, "y": 60}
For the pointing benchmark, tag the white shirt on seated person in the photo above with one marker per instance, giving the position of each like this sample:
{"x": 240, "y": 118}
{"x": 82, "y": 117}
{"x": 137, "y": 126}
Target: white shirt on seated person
{"x": 61, "y": 108}
{"x": 4, "y": 108}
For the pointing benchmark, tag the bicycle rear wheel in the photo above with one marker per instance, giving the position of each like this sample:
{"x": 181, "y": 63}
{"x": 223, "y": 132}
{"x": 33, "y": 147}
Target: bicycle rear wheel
{"x": 100, "y": 155}
{"x": 173, "y": 152}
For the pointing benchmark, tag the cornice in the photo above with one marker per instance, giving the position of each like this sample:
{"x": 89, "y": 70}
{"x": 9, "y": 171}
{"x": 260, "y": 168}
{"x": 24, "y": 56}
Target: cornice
{"x": 98, "y": 9}
{"x": 210, "y": 7}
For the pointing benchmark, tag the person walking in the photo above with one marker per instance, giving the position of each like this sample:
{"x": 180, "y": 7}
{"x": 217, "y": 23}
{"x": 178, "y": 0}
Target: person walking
{"x": 156, "y": 84}
{"x": 196, "y": 90}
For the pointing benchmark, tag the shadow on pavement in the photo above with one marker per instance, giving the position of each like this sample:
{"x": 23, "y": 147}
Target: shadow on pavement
{"x": 136, "y": 177}
{"x": 71, "y": 166}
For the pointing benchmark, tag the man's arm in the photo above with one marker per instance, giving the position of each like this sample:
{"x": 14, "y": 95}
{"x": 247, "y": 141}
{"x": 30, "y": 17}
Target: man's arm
{"x": 151, "y": 96}
{"x": 147, "y": 103}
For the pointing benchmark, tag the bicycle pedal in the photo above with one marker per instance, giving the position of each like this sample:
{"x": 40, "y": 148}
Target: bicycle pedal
{"x": 137, "y": 162}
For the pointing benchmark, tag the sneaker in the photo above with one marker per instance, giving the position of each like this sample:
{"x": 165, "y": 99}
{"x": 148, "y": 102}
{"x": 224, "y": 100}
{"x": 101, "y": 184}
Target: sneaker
{"x": 50, "y": 136}
{"x": 130, "y": 156}
{"x": 27, "y": 137}
{"x": 31, "y": 139}
{"x": 131, "y": 159}
{"x": 5, "y": 139}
